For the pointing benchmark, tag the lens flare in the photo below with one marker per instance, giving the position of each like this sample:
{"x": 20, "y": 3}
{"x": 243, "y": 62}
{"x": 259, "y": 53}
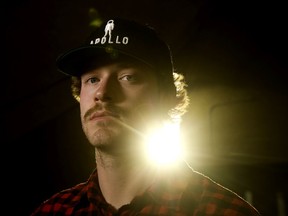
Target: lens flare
{"x": 164, "y": 147}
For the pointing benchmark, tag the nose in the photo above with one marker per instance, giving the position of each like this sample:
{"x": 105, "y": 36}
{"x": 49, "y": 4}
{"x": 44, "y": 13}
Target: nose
{"x": 104, "y": 91}
{"x": 102, "y": 96}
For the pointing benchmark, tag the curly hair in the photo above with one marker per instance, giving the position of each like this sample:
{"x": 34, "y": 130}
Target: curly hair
{"x": 173, "y": 90}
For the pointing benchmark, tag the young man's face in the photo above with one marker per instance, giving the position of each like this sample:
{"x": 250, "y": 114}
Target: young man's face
{"x": 117, "y": 102}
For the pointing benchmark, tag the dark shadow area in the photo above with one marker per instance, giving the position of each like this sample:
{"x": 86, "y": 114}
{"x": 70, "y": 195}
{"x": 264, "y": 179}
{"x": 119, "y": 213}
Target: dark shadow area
{"x": 232, "y": 52}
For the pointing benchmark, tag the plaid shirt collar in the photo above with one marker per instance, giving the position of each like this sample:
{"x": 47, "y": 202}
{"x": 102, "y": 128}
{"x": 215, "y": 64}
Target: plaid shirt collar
{"x": 166, "y": 191}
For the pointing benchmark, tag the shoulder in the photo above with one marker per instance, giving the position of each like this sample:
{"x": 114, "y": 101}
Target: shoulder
{"x": 209, "y": 197}
{"x": 62, "y": 200}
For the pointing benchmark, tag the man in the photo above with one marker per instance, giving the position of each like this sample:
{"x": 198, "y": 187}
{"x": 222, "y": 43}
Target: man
{"x": 124, "y": 80}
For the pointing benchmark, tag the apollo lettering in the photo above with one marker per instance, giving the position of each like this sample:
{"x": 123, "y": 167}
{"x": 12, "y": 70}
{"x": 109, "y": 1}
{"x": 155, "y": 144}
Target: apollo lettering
{"x": 104, "y": 40}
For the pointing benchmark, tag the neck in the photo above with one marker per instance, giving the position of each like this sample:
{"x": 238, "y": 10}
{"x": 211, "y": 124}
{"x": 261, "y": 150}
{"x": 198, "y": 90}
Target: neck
{"x": 122, "y": 178}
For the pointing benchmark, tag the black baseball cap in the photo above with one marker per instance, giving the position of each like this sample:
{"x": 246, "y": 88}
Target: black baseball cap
{"x": 114, "y": 39}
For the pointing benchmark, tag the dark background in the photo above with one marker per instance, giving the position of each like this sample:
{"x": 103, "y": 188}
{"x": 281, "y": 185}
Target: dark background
{"x": 233, "y": 54}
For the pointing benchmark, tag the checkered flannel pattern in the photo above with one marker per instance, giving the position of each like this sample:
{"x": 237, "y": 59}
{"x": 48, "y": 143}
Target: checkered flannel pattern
{"x": 177, "y": 195}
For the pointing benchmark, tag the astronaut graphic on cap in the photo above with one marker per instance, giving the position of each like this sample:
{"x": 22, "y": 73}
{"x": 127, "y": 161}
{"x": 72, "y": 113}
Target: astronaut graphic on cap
{"x": 109, "y": 27}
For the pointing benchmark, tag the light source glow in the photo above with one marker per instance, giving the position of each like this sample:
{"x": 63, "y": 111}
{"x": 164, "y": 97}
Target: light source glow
{"x": 164, "y": 145}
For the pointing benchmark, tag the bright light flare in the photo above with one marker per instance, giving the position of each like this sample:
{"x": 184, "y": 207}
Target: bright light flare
{"x": 164, "y": 147}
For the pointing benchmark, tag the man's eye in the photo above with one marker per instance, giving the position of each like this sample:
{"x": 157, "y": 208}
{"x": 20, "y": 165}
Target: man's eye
{"x": 93, "y": 80}
{"x": 128, "y": 78}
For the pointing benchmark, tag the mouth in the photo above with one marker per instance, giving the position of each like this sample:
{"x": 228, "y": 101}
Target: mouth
{"x": 103, "y": 115}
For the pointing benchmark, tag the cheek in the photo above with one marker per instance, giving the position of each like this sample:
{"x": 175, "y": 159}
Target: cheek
{"x": 143, "y": 94}
{"x": 144, "y": 100}
{"x": 86, "y": 101}
{"x": 143, "y": 111}
{"x": 151, "y": 94}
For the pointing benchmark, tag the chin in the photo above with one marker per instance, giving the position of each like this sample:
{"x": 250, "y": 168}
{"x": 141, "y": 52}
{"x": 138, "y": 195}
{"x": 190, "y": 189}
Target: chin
{"x": 102, "y": 137}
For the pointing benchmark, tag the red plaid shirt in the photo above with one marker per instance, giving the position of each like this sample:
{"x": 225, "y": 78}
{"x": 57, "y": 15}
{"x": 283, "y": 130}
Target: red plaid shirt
{"x": 179, "y": 195}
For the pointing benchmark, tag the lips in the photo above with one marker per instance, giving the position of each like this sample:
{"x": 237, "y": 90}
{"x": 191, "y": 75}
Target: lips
{"x": 102, "y": 115}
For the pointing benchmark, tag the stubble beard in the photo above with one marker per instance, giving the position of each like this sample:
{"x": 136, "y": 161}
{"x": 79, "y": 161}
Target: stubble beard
{"x": 116, "y": 136}
{"x": 101, "y": 134}
{"x": 108, "y": 137}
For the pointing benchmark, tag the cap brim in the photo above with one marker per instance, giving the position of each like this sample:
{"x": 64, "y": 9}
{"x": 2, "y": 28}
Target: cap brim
{"x": 75, "y": 62}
